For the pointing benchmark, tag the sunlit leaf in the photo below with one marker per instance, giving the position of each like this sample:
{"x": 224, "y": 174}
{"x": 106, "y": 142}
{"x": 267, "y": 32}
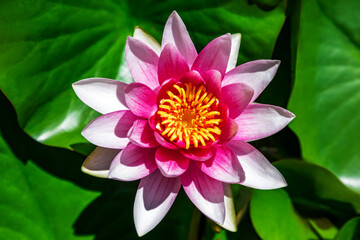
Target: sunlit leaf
{"x": 326, "y": 95}
{"x": 274, "y": 216}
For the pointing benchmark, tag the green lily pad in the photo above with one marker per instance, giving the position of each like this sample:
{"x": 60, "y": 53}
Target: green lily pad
{"x": 274, "y": 216}
{"x": 36, "y": 205}
{"x": 324, "y": 227}
{"x": 350, "y": 231}
{"x": 318, "y": 188}
{"x": 48, "y": 45}
{"x": 326, "y": 95}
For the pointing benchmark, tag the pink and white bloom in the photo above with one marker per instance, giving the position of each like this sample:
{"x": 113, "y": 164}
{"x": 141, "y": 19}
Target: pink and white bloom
{"x": 185, "y": 121}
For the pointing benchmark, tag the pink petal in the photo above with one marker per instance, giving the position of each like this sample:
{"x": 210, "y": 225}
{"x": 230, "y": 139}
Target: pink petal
{"x": 205, "y": 192}
{"x": 142, "y": 62}
{"x": 98, "y": 162}
{"x": 133, "y": 163}
{"x": 199, "y": 154}
{"x": 228, "y": 131}
{"x": 101, "y": 94}
{"x": 230, "y": 217}
{"x": 213, "y": 82}
{"x": 142, "y": 135}
{"x": 175, "y": 32}
{"x": 261, "y": 120}
{"x": 140, "y": 99}
{"x": 154, "y": 197}
{"x": 160, "y": 139}
{"x": 193, "y": 77}
{"x": 214, "y": 56}
{"x": 235, "y": 46}
{"x": 171, "y": 64}
{"x": 259, "y": 172}
{"x": 224, "y": 167}
{"x": 146, "y": 38}
{"x": 171, "y": 162}
{"x": 236, "y": 97}
{"x": 165, "y": 86}
{"x": 152, "y": 122}
{"x": 110, "y": 130}
{"x": 224, "y": 114}
{"x": 257, "y": 74}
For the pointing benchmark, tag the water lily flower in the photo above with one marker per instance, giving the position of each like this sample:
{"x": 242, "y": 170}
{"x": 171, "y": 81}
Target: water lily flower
{"x": 185, "y": 121}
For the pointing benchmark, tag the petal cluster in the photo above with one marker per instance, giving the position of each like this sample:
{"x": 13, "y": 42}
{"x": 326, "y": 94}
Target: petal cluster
{"x": 185, "y": 121}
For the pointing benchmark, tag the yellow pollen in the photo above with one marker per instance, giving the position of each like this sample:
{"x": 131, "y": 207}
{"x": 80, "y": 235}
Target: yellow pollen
{"x": 189, "y": 114}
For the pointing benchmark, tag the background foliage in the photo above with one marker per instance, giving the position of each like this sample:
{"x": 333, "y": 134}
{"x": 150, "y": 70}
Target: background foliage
{"x": 46, "y": 45}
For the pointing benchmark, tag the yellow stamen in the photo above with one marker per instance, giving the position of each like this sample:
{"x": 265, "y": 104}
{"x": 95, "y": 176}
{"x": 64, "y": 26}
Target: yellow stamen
{"x": 171, "y": 132}
{"x": 166, "y": 131}
{"x": 196, "y": 143}
{"x": 211, "y": 137}
{"x": 204, "y": 135}
{"x": 215, "y": 130}
{"x": 212, "y": 113}
{"x": 173, "y": 104}
{"x": 206, "y": 100}
{"x": 187, "y": 141}
{"x": 173, "y": 137}
{"x": 213, "y": 121}
{"x": 189, "y": 114}
{"x": 166, "y": 121}
{"x": 165, "y": 107}
{"x": 178, "y": 88}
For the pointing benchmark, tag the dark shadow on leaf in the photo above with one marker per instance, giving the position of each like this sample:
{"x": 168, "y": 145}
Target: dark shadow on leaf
{"x": 62, "y": 163}
{"x": 317, "y": 193}
{"x": 110, "y": 216}
{"x": 266, "y": 5}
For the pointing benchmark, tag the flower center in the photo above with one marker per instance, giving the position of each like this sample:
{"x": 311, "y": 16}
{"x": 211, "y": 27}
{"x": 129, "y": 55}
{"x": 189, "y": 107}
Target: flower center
{"x": 189, "y": 114}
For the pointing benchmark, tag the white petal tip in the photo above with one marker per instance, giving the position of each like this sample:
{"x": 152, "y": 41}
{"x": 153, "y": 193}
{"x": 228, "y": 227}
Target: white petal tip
{"x": 230, "y": 224}
{"x": 283, "y": 184}
{"x": 237, "y": 35}
{"x": 141, "y": 232}
{"x": 230, "y": 227}
{"x": 144, "y": 227}
{"x": 280, "y": 184}
{"x": 287, "y": 114}
{"x": 119, "y": 177}
{"x": 77, "y": 83}
{"x": 237, "y": 38}
{"x": 100, "y": 173}
{"x": 273, "y": 62}
{"x": 174, "y": 13}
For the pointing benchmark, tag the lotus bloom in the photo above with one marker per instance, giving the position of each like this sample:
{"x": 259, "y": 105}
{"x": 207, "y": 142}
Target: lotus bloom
{"x": 185, "y": 121}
